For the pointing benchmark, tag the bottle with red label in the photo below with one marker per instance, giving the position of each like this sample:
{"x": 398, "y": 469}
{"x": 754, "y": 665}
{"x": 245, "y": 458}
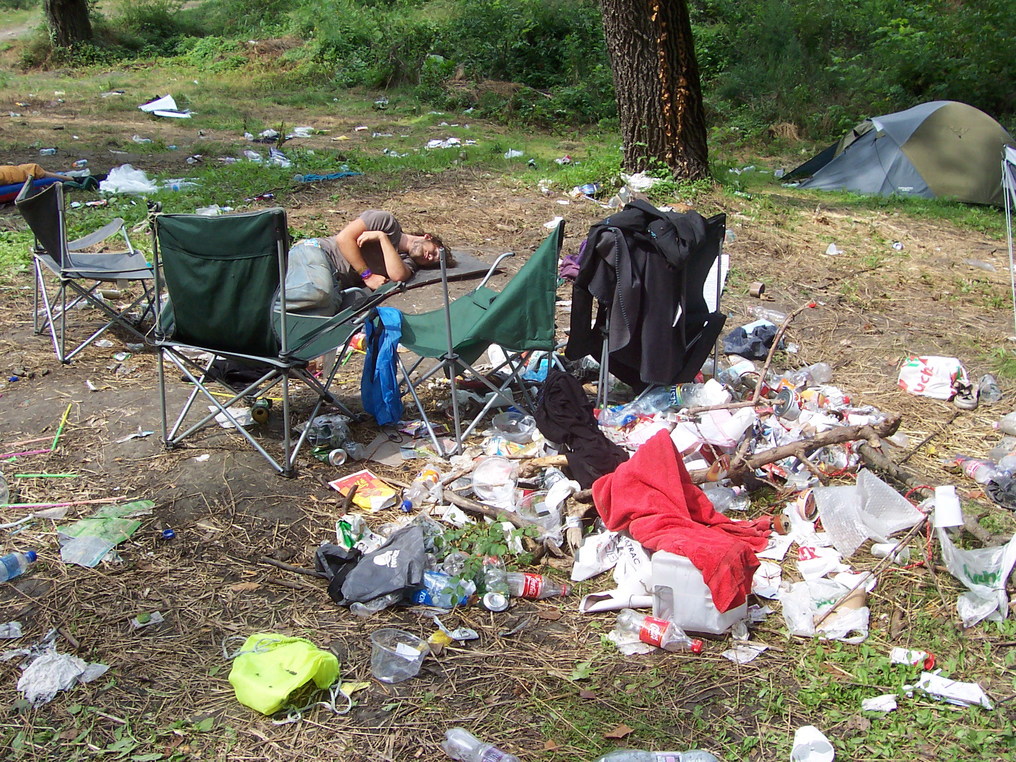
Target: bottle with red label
{"x": 523, "y": 585}
{"x": 656, "y": 632}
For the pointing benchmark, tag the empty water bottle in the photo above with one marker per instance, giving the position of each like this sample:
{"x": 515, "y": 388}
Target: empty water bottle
{"x": 988, "y": 390}
{"x": 656, "y": 632}
{"x": 443, "y": 591}
{"x": 726, "y": 498}
{"x": 524, "y": 585}
{"x": 495, "y": 584}
{"x": 764, "y": 313}
{"x": 1008, "y": 424}
{"x": 978, "y": 469}
{"x": 462, "y": 745}
{"x": 634, "y": 755}
{"x": 14, "y": 564}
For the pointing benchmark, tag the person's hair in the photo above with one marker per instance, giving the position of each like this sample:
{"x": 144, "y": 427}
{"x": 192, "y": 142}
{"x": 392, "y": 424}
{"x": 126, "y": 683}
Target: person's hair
{"x": 449, "y": 257}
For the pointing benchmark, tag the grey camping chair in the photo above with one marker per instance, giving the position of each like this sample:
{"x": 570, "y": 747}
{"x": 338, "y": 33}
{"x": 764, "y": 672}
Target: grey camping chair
{"x": 79, "y": 273}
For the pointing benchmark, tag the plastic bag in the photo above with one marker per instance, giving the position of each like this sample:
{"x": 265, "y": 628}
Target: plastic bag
{"x": 804, "y": 603}
{"x": 932, "y": 376}
{"x": 126, "y": 179}
{"x": 984, "y": 571}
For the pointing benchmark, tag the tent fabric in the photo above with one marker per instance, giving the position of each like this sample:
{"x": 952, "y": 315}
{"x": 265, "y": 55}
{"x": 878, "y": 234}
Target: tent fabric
{"x": 940, "y": 149}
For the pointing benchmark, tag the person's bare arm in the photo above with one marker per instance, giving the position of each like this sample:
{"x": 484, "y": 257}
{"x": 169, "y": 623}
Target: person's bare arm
{"x": 394, "y": 265}
{"x": 349, "y": 246}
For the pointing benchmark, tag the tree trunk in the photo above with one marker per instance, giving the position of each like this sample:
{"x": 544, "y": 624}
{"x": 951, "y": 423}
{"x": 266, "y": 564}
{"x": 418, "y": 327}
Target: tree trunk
{"x": 656, "y": 79}
{"x": 68, "y": 21}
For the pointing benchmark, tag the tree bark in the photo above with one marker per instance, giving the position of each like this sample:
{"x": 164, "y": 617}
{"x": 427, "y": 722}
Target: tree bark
{"x": 68, "y": 21}
{"x": 657, "y": 86}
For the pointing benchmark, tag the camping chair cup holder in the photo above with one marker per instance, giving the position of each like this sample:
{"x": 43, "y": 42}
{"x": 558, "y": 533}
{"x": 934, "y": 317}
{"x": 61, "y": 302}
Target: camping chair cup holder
{"x": 81, "y": 275}
{"x": 225, "y": 278}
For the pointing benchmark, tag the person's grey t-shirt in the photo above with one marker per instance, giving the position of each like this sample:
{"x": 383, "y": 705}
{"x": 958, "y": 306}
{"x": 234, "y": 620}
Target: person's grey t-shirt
{"x": 373, "y": 219}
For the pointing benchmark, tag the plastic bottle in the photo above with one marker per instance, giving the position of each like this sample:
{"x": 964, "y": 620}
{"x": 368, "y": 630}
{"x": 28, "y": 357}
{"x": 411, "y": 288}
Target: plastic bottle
{"x": 764, "y": 313}
{"x": 977, "y": 469}
{"x": 495, "y": 584}
{"x": 726, "y": 498}
{"x": 424, "y": 487}
{"x": 656, "y": 632}
{"x": 687, "y": 395}
{"x": 1007, "y": 425}
{"x": 443, "y": 591}
{"x": 813, "y": 375}
{"x": 988, "y": 390}
{"x": 454, "y": 563}
{"x": 634, "y": 755}
{"x": 367, "y": 608}
{"x": 47, "y": 151}
{"x": 654, "y": 400}
{"x": 14, "y": 564}
{"x": 616, "y": 416}
{"x": 462, "y": 745}
{"x": 524, "y": 585}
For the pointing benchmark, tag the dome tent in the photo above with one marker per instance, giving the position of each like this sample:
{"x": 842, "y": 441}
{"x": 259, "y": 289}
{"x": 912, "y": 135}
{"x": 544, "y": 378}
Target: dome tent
{"x": 941, "y": 149}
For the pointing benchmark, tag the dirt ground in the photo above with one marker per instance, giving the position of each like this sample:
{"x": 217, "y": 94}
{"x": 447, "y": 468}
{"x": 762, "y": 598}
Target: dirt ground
{"x": 941, "y": 290}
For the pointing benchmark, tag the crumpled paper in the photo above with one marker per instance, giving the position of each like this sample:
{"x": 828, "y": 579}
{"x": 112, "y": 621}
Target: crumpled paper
{"x": 46, "y": 672}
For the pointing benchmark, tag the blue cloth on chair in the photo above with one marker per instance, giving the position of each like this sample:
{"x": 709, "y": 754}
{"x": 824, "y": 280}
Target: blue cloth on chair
{"x": 379, "y": 385}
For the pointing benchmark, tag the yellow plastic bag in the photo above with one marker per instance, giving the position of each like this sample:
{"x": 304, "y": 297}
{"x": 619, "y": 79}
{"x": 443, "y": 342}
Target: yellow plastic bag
{"x": 270, "y": 667}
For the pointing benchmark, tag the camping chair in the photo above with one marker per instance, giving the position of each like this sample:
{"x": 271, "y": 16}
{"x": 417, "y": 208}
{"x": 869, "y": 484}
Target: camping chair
{"x": 225, "y": 278}
{"x": 1009, "y": 194}
{"x": 81, "y": 272}
{"x": 687, "y": 334}
{"x": 519, "y": 319}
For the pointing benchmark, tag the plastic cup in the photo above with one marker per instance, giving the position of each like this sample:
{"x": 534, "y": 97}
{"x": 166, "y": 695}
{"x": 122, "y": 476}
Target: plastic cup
{"x": 396, "y": 655}
{"x": 514, "y": 426}
{"x": 811, "y": 745}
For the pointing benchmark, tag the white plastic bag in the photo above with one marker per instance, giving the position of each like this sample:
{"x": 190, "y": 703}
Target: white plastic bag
{"x": 931, "y": 376}
{"x": 126, "y": 179}
{"x": 984, "y": 571}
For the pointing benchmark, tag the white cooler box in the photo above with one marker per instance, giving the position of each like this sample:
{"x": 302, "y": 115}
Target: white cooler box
{"x": 681, "y": 596}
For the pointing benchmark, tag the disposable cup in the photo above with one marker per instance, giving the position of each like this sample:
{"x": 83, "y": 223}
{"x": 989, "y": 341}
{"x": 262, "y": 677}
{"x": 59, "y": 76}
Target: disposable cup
{"x": 811, "y": 745}
{"x": 948, "y": 512}
{"x": 396, "y": 655}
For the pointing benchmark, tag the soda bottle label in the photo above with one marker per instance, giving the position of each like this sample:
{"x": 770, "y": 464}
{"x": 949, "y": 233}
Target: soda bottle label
{"x": 532, "y": 585}
{"x": 493, "y": 755}
{"x": 652, "y": 631}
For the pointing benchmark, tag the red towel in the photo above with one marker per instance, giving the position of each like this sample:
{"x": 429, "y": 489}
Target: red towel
{"x": 652, "y": 498}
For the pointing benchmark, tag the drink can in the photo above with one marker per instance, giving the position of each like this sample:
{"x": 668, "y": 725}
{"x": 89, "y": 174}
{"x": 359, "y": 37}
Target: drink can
{"x": 337, "y": 456}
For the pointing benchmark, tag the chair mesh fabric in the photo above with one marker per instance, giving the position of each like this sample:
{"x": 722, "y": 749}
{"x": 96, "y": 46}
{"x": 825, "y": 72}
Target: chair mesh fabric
{"x": 519, "y": 318}
{"x": 222, "y": 274}
{"x": 42, "y": 212}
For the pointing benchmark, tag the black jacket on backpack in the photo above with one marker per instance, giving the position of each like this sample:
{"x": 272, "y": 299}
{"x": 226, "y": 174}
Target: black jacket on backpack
{"x": 646, "y": 269}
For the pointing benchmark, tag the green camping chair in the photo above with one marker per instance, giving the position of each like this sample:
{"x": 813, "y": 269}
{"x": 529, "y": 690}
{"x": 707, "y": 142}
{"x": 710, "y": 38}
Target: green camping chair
{"x": 225, "y": 278}
{"x": 519, "y": 319}
{"x": 79, "y": 272}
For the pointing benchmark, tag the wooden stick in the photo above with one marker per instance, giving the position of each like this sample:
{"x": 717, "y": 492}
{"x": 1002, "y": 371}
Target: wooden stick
{"x": 882, "y": 563}
{"x": 290, "y": 567}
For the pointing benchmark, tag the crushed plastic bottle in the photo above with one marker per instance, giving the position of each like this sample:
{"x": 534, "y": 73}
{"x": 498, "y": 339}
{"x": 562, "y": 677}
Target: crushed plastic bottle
{"x": 426, "y": 487}
{"x": 496, "y": 591}
{"x": 443, "y": 591}
{"x": 656, "y": 632}
{"x": 368, "y": 608}
{"x": 635, "y": 755}
{"x": 988, "y": 390}
{"x": 462, "y": 745}
{"x": 759, "y": 312}
{"x": 654, "y": 400}
{"x": 726, "y": 498}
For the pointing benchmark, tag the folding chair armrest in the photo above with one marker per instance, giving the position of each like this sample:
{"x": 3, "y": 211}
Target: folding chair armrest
{"x": 493, "y": 267}
{"x": 111, "y": 228}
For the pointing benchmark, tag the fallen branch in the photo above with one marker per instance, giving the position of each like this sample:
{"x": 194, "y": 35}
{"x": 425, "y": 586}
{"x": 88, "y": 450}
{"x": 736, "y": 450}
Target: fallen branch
{"x": 802, "y": 449}
{"x": 290, "y": 567}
